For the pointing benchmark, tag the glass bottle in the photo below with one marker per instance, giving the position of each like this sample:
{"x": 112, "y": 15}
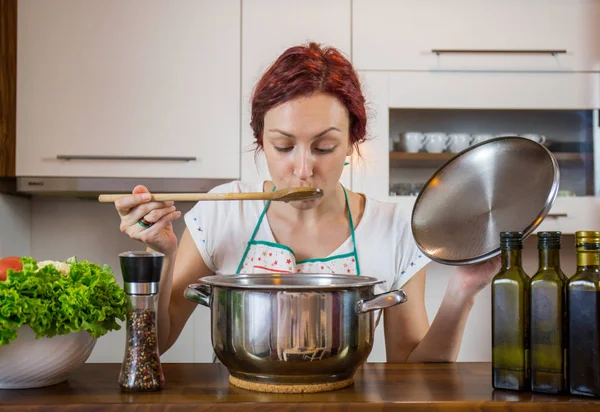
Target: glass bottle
{"x": 141, "y": 369}
{"x": 548, "y": 318}
{"x": 583, "y": 296}
{"x": 510, "y": 317}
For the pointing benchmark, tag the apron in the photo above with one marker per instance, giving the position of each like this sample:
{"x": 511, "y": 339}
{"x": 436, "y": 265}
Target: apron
{"x": 269, "y": 257}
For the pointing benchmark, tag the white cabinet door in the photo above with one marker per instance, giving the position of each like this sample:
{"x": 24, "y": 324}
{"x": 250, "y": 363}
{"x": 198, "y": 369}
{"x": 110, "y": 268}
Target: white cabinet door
{"x": 403, "y": 34}
{"x": 571, "y": 214}
{"x": 370, "y": 170}
{"x": 138, "y": 79}
{"x": 486, "y": 90}
{"x": 265, "y": 37}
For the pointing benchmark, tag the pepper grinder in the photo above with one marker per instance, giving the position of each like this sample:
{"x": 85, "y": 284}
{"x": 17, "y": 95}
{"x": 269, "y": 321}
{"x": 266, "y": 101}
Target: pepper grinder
{"x": 141, "y": 369}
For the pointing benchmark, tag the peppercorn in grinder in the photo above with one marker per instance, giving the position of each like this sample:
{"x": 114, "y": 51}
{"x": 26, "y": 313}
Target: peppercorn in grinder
{"x": 141, "y": 369}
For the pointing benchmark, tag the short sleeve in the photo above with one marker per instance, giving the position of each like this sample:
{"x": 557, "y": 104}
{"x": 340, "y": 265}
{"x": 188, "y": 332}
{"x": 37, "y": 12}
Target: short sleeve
{"x": 410, "y": 258}
{"x": 205, "y": 220}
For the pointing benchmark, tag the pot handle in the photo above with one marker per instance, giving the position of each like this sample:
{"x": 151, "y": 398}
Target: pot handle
{"x": 382, "y": 301}
{"x": 199, "y": 293}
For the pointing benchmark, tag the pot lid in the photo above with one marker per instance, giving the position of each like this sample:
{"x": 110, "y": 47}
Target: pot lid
{"x": 503, "y": 184}
{"x": 302, "y": 281}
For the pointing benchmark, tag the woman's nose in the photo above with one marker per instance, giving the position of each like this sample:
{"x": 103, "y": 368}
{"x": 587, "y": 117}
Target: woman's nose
{"x": 303, "y": 167}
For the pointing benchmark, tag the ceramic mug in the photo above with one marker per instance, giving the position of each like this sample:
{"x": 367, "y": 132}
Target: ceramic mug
{"x": 436, "y": 142}
{"x": 411, "y": 142}
{"x": 482, "y": 137}
{"x": 457, "y": 142}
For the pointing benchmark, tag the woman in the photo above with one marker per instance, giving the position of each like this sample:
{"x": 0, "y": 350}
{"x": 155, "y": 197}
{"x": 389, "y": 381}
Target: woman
{"x": 308, "y": 115}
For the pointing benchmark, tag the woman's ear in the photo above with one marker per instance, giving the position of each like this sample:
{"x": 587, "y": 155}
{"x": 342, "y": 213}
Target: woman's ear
{"x": 350, "y": 150}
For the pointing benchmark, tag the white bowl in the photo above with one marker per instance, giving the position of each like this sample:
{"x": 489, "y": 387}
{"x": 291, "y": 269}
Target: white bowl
{"x": 27, "y": 362}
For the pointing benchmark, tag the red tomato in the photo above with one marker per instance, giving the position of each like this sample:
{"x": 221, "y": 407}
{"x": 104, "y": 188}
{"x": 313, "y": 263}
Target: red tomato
{"x": 11, "y": 262}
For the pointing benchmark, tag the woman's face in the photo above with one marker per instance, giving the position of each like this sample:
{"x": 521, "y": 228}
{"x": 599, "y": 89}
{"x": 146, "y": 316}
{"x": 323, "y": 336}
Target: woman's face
{"x": 306, "y": 141}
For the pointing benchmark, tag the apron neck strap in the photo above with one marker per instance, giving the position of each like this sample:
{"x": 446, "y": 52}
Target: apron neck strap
{"x": 264, "y": 212}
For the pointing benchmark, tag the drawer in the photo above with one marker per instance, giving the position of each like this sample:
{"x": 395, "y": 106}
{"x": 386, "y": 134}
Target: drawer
{"x": 486, "y": 90}
{"x": 532, "y": 35}
{"x": 571, "y": 214}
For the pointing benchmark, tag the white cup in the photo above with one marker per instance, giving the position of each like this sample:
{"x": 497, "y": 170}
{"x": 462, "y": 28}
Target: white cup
{"x": 436, "y": 142}
{"x": 482, "y": 137}
{"x": 411, "y": 142}
{"x": 540, "y": 138}
{"x": 457, "y": 142}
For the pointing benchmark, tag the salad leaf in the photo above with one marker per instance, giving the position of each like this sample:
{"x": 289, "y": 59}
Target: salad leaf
{"x": 54, "y": 303}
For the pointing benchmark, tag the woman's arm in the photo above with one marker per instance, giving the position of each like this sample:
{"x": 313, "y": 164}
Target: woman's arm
{"x": 173, "y": 308}
{"x": 406, "y": 325}
{"x": 409, "y": 338}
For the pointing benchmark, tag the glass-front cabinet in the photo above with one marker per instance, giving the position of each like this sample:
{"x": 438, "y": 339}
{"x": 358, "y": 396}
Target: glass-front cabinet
{"x": 417, "y": 126}
{"x": 422, "y": 139}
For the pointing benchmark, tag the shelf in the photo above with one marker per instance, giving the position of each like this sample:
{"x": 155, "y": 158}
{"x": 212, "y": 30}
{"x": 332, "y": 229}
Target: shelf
{"x": 435, "y": 160}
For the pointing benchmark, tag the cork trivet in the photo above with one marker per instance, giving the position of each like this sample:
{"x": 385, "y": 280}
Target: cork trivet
{"x": 289, "y": 388}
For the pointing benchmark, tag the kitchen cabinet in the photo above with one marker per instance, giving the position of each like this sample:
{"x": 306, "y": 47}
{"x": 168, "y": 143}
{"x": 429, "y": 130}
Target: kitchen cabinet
{"x": 501, "y": 90}
{"x": 370, "y": 169}
{"x": 562, "y": 107}
{"x": 533, "y": 35}
{"x": 128, "y": 89}
{"x": 265, "y": 38}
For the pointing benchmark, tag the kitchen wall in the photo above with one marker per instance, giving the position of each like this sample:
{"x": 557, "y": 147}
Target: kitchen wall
{"x": 15, "y": 225}
{"x": 62, "y": 227}
{"x": 56, "y": 228}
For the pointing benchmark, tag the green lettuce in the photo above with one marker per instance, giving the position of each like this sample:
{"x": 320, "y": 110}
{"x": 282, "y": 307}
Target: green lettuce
{"x": 53, "y": 303}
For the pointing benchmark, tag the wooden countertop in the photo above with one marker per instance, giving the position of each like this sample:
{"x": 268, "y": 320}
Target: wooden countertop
{"x": 378, "y": 386}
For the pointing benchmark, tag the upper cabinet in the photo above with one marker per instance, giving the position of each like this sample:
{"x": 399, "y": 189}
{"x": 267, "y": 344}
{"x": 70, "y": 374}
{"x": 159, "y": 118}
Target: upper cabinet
{"x": 265, "y": 38}
{"x": 423, "y": 119}
{"x": 142, "y": 88}
{"x": 509, "y": 35}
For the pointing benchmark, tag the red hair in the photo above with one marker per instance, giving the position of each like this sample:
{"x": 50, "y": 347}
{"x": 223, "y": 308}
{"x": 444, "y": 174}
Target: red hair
{"x": 305, "y": 70}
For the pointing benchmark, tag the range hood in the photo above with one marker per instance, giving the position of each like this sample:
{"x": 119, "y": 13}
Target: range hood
{"x": 93, "y": 186}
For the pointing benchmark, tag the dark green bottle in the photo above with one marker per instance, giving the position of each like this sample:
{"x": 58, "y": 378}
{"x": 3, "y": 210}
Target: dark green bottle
{"x": 510, "y": 317}
{"x": 583, "y": 296}
{"x": 547, "y": 332}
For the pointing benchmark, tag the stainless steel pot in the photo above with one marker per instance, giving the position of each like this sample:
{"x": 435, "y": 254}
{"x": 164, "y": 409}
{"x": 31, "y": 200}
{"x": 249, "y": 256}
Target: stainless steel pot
{"x": 292, "y": 329}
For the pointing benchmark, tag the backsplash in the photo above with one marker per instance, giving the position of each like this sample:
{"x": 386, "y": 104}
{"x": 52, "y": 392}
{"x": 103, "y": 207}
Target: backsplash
{"x": 64, "y": 227}
{"x": 57, "y": 228}
{"x": 15, "y": 229}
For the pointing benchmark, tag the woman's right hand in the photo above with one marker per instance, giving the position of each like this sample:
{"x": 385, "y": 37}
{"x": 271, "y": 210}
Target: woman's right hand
{"x": 159, "y": 236}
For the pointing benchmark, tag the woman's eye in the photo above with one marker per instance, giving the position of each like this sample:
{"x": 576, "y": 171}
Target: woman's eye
{"x": 283, "y": 149}
{"x": 323, "y": 150}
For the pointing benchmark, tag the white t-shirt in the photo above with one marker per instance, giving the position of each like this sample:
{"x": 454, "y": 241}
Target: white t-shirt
{"x": 385, "y": 246}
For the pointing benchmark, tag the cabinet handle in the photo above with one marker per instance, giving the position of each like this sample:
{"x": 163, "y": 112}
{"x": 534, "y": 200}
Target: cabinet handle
{"x": 496, "y": 51}
{"x": 556, "y": 215}
{"x": 160, "y": 158}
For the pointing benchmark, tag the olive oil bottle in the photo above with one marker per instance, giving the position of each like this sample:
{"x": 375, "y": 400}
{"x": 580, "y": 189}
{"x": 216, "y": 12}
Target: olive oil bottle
{"x": 510, "y": 317}
{"x": 547, "y": 332}
{"x": 583, "y": 296}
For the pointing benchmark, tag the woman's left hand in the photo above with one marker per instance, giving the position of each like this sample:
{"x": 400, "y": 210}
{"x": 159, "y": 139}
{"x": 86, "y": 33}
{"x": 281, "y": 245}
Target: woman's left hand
{"x": 471, "y": 279}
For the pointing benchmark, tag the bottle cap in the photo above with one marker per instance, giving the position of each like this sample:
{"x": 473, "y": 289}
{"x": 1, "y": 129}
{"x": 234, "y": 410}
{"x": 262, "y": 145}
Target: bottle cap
{"x": 587, "y": 241}
{"x": 141, "y": 266}
{"x": 511, "y": 240}
{"x": 549, "y": 240}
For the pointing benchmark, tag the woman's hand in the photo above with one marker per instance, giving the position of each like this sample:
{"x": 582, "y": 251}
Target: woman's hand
{"x": 471, "y": 279}
{"x": 160, "y": 215}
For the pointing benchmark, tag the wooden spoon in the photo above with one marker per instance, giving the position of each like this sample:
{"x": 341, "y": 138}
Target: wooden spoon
{"x": 282, "y": 195}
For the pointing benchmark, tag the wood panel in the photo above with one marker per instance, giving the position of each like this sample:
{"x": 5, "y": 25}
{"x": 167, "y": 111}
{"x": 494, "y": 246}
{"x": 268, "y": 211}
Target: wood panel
{"x": 8, "y": 86}
{"x": 377, "y": 387}
{"x": 435, "y": 160}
